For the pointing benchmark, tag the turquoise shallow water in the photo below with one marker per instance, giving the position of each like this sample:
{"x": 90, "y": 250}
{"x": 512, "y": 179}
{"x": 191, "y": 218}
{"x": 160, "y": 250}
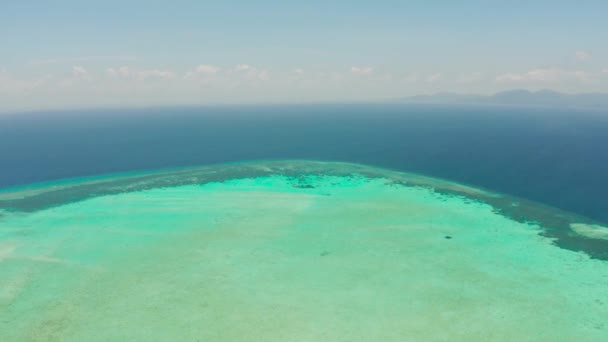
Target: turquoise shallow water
{"x": 294, "y": 250}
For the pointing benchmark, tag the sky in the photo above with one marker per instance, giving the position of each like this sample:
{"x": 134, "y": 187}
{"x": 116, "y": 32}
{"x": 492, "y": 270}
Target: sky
{"x": 60, "y": 54}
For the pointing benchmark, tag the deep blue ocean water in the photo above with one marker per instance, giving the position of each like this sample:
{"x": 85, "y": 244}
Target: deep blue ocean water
{"x": 557, "y": 157}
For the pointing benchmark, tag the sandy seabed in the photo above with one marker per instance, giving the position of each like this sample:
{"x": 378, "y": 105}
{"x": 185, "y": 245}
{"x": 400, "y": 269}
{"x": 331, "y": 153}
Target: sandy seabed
{"x": 296, "y": 254}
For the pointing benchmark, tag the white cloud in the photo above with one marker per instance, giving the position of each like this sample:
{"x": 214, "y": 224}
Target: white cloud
{"x": 583, "y": 76}
{"x": 434, "y": 77}
{"x": 203, "y": 71}
{"x": 549, "y": 75}
{"x": 80, "y": 72}
{"x": 299, "y": 71}
{"x": 582, "y": 55}
{"x": 412, "y": 78}
{"x": 82, "y": 59}
{"x": 243, "y": 67}
{"x": 207, "y": 69}
{"x": 544, "y": 75}
{"x": 470, "y": 78}
{"x": 263, "y": 75}
{"x": 217, "y": 75}
{"x": 78, "y": 75}
{"x": 535, "y": 75}
{"x": 385, "y": 77}
{"x": 361, "y": 70}
{"x": 122, "y": 72}
{"x": 509, "y": 77}
{"x": 141, "y": 75}
{"x": 252, "y": 73}
{"x": 12, "y": 85}
{"x": 156, "y": 74}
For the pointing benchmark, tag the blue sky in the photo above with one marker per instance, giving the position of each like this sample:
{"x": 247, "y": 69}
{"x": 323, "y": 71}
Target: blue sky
{"x": 60, "y": 54}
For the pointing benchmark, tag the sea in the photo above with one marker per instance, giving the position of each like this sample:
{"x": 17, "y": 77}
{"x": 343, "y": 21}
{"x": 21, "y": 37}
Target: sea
{"x": 554, "y": 156}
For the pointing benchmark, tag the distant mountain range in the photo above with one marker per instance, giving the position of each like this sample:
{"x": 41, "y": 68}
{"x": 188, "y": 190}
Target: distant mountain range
{"x": 542, "y": 98}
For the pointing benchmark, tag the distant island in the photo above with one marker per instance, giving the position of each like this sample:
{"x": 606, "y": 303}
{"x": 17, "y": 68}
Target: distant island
{"x": 518, "y": 97}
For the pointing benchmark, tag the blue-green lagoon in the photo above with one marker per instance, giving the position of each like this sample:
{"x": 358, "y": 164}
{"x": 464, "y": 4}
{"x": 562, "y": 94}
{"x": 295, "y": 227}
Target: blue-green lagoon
{"x": 294, "y": 251}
